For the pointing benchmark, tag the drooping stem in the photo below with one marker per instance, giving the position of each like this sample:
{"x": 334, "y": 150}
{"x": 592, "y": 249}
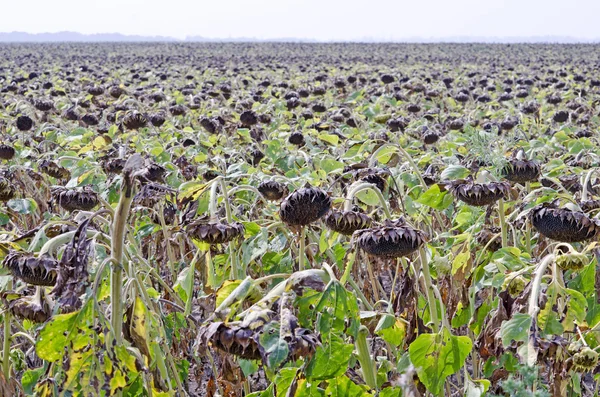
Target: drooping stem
{"x": 374, "y": 282}
{"x": 503, "y": 229}
{"x": 367, "y": 364}
{"x": 534, "y": 308}
{"x": 528, "y": 224}
{"x": 228, "y": 212}
{"x": 167, "y": 237}
{"x": 212, "y": 201}
{"x": 211, "y": 280}
{"x": 6, "y": 344}
{"x": 117, "y": 245}
{"x": 302, "y": 248}
{"x": 188, "y": 302}
{"x": 367, "y": 186}
{"x": 584, "y": 192}
{"x": 429, "y": 290}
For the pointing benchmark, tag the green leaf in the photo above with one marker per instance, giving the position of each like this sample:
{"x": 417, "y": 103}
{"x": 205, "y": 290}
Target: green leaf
{"x": 435, "y": 198}
{"x": 248, "y": 366}
{"x": 54, "y": 336}
{"x": 184, "y": 280}
{"x": 284, "y": 379}
{"x": 454, "y": 172}
{"x": 30, "y": 378}
{"x": 309, "y": 389}
{"x": 268, "y": 392}
{"x": 330, "y": 138}
{"x": 276, "y": 348}
{"x": 342, "y": 386}
{"x": 226, "y": 289}
{"x": 391, "y": 329}
{"x": 331, "y": 359}
{"x": 330, "y": 165}
{"x": 577, "y": 308}
{"x": 437, "y": 356}
{"x": 391, "y": 392}
{"x": 385, "y": 154}
{"x": 368, "y": 197}
{"x": 337, "y": 311}
{"x": 515, "y": 329}
{"x": 22, "y": 206}
{"x": 476, "y": 388}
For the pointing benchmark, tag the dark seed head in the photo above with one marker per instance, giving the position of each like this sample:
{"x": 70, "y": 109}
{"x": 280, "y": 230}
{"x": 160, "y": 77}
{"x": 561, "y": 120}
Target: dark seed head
{"x": 83, "y": 199}
{"x": 272, "y": 190}
{"x": 6, "y": 152}
{"x": 33, "y": 270}
{"x": 562, "y": 224}
{"x": 296, "y": 138}
{"x": 134, "y": 120}
{"x": 49, "y": 167}
{"x": 478, "y": 194}
{"x": 522, "y": 171}
{"x": 304, "y": 206}
{"x": 215, "y": 233}
{"x": 24, "y": 123}
{"x": 390, "y": 241}
{"x": 347, "y": 222}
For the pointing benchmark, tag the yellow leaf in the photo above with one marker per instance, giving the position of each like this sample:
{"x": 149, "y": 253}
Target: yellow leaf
{"x": 139, "y": 329}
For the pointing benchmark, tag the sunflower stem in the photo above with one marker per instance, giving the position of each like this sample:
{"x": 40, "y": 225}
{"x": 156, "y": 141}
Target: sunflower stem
{"x": 367, "y": 364}
{"x": 302, "y": 248}
{"x": 167, "y": 237}
{"x": 429, "y": 290}
{"x": 584, "y": 192}
{"x": 6, "y": 344}
{"x": 117, "y": 245}
{"x": 534, "y": 307}
{"x": 528, "y": 225}
{"x": 367, "y": 186}
{"x": 211, "y": 280}
{"x": 503, "y": 229}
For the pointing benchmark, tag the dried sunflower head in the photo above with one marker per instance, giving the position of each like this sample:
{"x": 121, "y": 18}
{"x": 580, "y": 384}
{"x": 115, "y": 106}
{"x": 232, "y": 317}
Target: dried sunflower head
{"x": 375, "y": 179}
{"x": 33, "y": 308}
{"x": 574, "y": 261}
{"x": 478, "y": 194}
{"x": 151, "y": 194}
{"x": 49, "y": 167}
{"x": 484, "y": 237}
{"x": 33, "y": 270}
{"x": 393, "y": 240}
{"x": 347, "y": 222}
{"x": 272, "y": 190}
{"x": 113, "y": 166}
{"x": 7, "y": 190}
{"x": 24, "y": 123}
{"x": 521, "y": 171}
{"x": 83, "y": 199}
{"x": 215, "y": 233}
{"x": 304, "y": 206}
{"x": 155, "y": 173}
{"x": 134, "y": 120}
{"x": 514, "y": 285}
{"x": 585, "y": 360}
{"x": 562, "y": 224}
{"x": 6, "y": 152}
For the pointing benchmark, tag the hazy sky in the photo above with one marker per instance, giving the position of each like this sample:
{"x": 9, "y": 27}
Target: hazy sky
{"x": 319, "y": 19}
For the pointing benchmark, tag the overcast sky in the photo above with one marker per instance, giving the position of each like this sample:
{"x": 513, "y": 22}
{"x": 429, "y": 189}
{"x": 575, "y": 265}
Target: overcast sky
{"x": 307, "y": 19}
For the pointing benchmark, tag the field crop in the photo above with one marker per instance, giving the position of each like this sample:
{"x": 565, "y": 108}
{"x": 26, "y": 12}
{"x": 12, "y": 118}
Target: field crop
{"x": 299, "y": 220}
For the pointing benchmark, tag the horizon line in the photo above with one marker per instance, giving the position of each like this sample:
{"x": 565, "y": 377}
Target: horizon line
{"x": 22, "y": 37}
